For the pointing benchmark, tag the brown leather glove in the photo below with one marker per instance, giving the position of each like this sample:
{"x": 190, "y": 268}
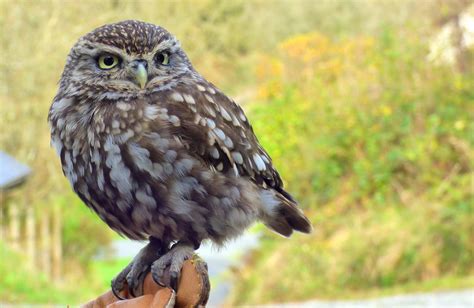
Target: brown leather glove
{"x": 193, "y": 291}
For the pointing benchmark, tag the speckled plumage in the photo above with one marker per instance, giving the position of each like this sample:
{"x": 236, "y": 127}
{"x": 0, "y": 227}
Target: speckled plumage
{"x": 176, "y": 160}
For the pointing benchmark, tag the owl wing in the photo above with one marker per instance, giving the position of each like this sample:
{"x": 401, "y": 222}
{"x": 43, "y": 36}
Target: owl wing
{"x": 215, "y": 129}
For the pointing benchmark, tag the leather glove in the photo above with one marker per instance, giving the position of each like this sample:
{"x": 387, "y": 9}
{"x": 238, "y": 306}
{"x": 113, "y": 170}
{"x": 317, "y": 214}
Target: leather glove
{"x": 193, "y": 291}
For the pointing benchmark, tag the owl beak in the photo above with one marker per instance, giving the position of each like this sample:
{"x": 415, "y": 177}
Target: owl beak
{"x": 140, "y": 71}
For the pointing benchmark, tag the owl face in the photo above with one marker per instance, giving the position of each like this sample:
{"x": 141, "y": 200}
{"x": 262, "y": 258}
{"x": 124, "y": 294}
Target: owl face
{"x": 125, "y": 58}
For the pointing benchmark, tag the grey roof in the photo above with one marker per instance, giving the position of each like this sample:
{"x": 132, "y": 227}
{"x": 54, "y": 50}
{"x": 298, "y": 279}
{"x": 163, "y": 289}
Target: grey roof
{"x": 12, "y": 172}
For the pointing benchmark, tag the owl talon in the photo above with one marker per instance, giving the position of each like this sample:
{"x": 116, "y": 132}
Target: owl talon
{"x": 135, "y": 280}
{"x": 174, "y": 259}
{"x": 174, "y": 280}
{"x": 118, "y": 283}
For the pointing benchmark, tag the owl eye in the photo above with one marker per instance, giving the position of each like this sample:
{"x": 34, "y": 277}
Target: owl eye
{"x": 107, "y": 61}
{"x": 162, "y": 58}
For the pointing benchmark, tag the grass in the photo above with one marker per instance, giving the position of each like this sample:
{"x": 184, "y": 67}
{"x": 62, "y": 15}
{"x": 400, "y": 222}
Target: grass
{"x": 360, "y": 253}
{"x": 447, "y": 283}
{"x": 27, "y": 285}
{"x": 105, "y": 270}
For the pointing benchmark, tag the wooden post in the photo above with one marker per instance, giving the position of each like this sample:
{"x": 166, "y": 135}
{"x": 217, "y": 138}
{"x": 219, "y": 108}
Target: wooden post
{"x": 30, "y": 236}
{"x": 14, "y": 227}
{"x": 56, "y": 244}
{"x": 45, "y": 258}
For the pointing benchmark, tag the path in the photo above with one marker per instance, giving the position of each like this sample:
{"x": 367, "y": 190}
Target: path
{"x": 449, "y": 299}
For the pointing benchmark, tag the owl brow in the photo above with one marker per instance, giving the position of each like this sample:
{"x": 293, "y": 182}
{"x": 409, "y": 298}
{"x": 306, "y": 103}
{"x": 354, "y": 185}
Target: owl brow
{"x": 169, "y": 44}
{"x": 99, "y": 49}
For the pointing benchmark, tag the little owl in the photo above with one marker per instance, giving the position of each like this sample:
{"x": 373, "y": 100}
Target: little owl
{"x": 160, "y": 153}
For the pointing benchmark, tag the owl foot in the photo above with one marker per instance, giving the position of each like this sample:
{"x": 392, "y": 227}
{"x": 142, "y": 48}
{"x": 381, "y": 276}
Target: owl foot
{"x": 134, "y": 274}
{"x": 174, "y": 259}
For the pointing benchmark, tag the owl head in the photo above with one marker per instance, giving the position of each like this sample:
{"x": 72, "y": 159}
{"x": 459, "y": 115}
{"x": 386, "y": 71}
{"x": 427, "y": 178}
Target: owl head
{"x": 124, "y": 58}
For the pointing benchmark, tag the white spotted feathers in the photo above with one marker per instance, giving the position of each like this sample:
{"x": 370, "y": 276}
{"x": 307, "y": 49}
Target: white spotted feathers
{"x": 204, "y": 116}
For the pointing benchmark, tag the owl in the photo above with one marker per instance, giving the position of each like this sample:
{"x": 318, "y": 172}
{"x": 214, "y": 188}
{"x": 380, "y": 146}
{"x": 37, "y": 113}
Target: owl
{"x": 160, "y": 153}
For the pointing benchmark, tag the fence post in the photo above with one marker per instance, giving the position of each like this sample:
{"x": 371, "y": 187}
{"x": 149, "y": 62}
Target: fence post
{"x": 56, "y": 243}
{"x": 30, "y": 236}
{"x": 14, "y": 226}
{"x": 45, "y": 260}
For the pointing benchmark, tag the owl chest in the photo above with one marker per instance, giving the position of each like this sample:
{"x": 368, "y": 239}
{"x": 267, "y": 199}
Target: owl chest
{"x": 92, "y": 145}
{"x": 123, "y": 172}
{"x": 106, "y": 185}
{"x": 109, "y": 175}
{"x": 128, "y": 185}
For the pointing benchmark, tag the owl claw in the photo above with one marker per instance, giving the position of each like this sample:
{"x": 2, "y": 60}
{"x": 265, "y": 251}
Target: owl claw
{"x": 118, "y": 283}
{"x": 174, "y": 280}
{"x": 135, "y": 279}
{"x": 135, "y": 272}
{"x": 174, "y": 259}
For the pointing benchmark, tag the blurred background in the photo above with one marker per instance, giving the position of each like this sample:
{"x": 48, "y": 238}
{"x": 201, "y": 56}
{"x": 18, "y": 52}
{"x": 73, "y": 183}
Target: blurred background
{"x": 366, "y": 108}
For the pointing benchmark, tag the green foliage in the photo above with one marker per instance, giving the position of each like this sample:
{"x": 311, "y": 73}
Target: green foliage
{"x": 106, "y": 269}
{"x": 355, "y": 252}
{"x": 24, "y": 284}
{"x": 374, "y": 135}
{"x": 378, "y": 149}
{"x": 84, "y": 234}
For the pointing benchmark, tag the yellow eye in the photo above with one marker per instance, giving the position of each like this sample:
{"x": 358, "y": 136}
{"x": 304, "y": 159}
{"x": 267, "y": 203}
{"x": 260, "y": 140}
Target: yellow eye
{"x": 163, "y": 58}
{"x": 107, "y": 62}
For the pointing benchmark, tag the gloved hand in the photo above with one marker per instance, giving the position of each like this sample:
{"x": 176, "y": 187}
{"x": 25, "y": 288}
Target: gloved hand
{"x": 193, "y": 291}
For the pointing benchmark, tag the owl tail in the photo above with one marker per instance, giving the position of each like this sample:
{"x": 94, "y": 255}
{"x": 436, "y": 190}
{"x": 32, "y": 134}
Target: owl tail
{"x": 281, "y": 213}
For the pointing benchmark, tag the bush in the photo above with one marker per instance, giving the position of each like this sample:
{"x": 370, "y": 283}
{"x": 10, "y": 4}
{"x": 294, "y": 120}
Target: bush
{"x": 375, "y": 143}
